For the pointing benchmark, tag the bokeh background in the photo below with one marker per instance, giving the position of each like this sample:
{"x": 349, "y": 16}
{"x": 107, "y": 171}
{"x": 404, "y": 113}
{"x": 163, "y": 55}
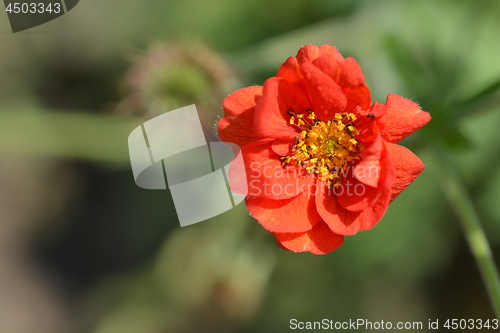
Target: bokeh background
{"x": 83, "y": 249}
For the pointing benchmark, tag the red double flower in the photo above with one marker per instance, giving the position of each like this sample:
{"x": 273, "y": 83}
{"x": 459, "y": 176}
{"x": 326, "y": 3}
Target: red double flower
{"x": 321, "y": 161}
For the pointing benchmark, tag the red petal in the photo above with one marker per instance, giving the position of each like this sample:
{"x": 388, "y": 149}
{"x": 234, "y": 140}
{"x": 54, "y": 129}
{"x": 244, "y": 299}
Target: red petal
{"x": 297, "y": 214}
{"x": 353, "y": 195}
{"x": 290, "y": 71}
{"x": 351, "y": 73}
{"x": 326, "y": 96}
{"x": 309, "y": 52}
{"x": 237, "y": 124}
{"x": 267, "y": 178}
{"x": 319, "y": 240}
{"x": 368, "y": 170}
{"x": 375, "y": 111}
{"x": 347, "y": 74}
{"x": 373, "y": 214}
{"x": 330, "y": 65}
{"x": 271, "y": 113}
{"x": 376, "y": 167}
{"x": 283, "y": 147}
{"x": 403, "y": 117}
{"x": 388, "y": 174}
{"x": 237, "y": 174}
{"x": 408, "y": 166}
{"x": 359, "y": 96}
{"x": 374, "y": 175}
{"x": 345, "y": 222}
{"x": 338, "y": 219}
{"x": 278, "y": 243}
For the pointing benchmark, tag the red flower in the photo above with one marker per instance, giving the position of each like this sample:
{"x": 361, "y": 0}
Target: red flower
{"x": 321, "y": 161}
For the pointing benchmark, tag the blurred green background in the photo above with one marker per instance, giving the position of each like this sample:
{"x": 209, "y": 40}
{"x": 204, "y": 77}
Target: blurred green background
{"x": 83, "y": 249}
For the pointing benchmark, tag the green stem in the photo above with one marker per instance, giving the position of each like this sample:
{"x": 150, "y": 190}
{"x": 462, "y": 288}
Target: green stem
{"x": 464, "y": 208}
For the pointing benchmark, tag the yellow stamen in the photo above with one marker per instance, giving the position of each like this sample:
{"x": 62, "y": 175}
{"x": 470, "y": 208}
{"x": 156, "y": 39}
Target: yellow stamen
{"x": 324, "y": 148}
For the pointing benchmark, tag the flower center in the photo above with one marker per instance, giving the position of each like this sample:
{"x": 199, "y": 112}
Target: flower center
{"x": 324, "y": 148}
